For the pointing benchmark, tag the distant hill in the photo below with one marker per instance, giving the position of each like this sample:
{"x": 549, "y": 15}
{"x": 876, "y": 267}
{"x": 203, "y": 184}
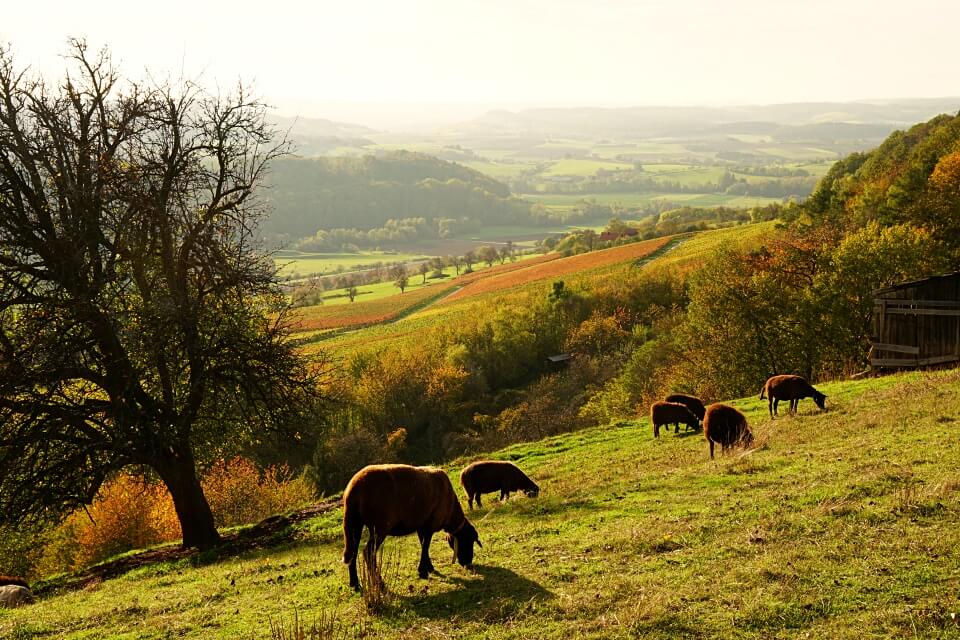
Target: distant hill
{"x": 318, "y": 136}
{"x": 308, "y": 194}
{"x": 680, "y": 121}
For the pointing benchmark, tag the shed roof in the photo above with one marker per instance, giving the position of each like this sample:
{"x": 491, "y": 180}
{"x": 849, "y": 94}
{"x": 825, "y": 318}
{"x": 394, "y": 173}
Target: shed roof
{"x": 910, "y": 284}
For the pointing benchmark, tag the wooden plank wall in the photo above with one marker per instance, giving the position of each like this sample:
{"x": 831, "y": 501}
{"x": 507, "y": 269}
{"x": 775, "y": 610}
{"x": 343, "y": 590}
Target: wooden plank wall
{"x": 918, "y": 325}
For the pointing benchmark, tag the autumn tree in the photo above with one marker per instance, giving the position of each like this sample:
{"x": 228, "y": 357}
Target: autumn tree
{"x": 488, "y": 254}
{"x": 400, "y": 277}
{"x": 423, "y": 269}
{"x": 140, "y": 326}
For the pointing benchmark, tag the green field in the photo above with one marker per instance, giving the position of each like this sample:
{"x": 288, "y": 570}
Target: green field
{"x": 839, "y": 524}
{"x": 498, "y": 170}
{"x": 300, "y": 264}
{"x": 385, "y": 289}
{"x": 568, "y": 200}
{"x": 583, "y": 167}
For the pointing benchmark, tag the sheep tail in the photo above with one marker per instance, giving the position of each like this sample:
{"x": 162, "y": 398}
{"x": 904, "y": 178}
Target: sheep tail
{"x": 763, "y": 390}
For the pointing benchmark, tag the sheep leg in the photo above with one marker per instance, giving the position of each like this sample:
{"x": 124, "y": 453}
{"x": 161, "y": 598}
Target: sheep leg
{"x": 479, "y": 505}
{"x": 370, "y": 553}
{"x": 470, "y": 500}
{"x": 770, "y": 406}
{"x": 425, "y": 568}
{"x": 503, "y": 495}
{"x": 352, "y": 532}
{"x": 711, "y": 449}
{"x": 776, "y": 403}
{"x": 656, "y": 430}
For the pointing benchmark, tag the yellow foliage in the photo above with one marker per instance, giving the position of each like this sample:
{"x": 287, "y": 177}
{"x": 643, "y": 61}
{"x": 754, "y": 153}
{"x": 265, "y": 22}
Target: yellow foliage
{"x": 130, "y": 512}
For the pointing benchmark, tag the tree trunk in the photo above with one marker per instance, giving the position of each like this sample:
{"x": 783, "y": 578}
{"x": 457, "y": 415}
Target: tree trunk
{"x": 178, "y": 471}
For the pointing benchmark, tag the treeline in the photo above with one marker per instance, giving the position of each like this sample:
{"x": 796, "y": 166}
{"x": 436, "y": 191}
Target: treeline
{"x": 392, "y": 233}
{"x": 784, "y": 186}
{"x": 365, "y": 193}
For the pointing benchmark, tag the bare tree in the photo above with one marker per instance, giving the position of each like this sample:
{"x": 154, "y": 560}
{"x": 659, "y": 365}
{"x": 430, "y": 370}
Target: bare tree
{"x": 140, "y": 326}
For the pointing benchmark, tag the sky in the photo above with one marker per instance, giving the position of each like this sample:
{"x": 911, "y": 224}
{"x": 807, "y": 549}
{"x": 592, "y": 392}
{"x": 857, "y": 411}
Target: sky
{"x": 379, "y": 62}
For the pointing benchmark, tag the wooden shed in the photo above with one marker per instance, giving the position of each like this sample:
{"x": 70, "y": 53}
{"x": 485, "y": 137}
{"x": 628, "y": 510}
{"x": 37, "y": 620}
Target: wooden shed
{"x": 917, "y": 323}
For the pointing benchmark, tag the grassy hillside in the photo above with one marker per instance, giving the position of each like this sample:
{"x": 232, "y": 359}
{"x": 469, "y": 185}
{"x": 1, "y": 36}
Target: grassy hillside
{"x": 843, "y": 524}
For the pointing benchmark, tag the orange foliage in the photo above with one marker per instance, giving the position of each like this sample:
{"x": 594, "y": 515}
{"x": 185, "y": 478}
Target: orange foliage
{"x": 130, "y": 512}
{"x": 127, "y": 513}
{"x": 239, "y": 494}
{"x": 559, "y": 267}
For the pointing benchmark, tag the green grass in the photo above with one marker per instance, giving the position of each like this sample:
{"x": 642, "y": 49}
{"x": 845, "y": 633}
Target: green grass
{"x": 293, "y": 263}
{"x": 843, "y": 524}
{"x": 498, "y": 170}
{"x": 582, "y": 167}
{"x": 568, "y": 200}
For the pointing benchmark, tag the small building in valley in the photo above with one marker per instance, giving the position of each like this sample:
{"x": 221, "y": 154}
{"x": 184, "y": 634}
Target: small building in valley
{"x": 917, "y": 323}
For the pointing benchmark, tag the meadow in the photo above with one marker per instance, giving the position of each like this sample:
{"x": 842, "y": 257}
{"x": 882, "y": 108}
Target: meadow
{"x": 296, "y": 264}
{"x": 838, "y": 524}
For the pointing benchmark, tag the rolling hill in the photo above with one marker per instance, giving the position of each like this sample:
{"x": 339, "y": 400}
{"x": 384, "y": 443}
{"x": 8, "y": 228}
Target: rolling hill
{"x": 839, "y": 524}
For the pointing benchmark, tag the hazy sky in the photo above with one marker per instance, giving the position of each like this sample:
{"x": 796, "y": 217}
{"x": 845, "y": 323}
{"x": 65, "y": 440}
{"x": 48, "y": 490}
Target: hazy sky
{"x": 372, "y": 58}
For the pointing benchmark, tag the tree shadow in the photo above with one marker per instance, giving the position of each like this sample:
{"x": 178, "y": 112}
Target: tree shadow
{"x": 487, "y": 593}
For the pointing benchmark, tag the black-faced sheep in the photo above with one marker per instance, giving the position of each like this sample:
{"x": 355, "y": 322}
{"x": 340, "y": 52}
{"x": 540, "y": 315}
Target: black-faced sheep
{"x": 488, "y": 476}
{"x": 397, "y": 500}
{"x": 667, "y": 413}
{"x": 693, "y": 403}
{"x": 725, "y": 426}
{"x": 792, "y": 388}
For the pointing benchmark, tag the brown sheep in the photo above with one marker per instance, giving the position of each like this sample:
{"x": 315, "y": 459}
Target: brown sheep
{"x": 397, "y": 500}
{"x": 667, "y": 413}
{"x": 792, "y": 388}
{"x": 725, "y": 426}
{"x": 5, "y": 580}
{"x": 488, "y": 476}
{"x": 693, "y": 403}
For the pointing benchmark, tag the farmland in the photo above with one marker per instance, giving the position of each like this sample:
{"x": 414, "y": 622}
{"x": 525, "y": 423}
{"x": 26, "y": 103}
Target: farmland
{"x": 558, "y": 268}
{"x": 835, "y": 525}
{"x": 386, "y": 303}
{"x": 301, "y": 264}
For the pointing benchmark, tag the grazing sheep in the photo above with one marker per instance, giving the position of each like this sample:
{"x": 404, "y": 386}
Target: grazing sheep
{"x": 667, "y": 413}
{"x": 15, "y": 595}
{"x": 693, "y": 403}
{"x": 397, "y": 500}
{"x": 488, "y": 476}
{"x": 5, "y": 580}
{"x": 725, "y": 426}
{"x": 792, "y": 388}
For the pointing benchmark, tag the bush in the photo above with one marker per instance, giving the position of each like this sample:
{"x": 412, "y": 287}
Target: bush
{"x": 239, "y": 493}
{"x": 131, "y": 512}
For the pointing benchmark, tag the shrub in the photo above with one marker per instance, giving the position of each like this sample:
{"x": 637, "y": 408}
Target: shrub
{"x": 131, "y": 512}
{"x": 239, "y": 493}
